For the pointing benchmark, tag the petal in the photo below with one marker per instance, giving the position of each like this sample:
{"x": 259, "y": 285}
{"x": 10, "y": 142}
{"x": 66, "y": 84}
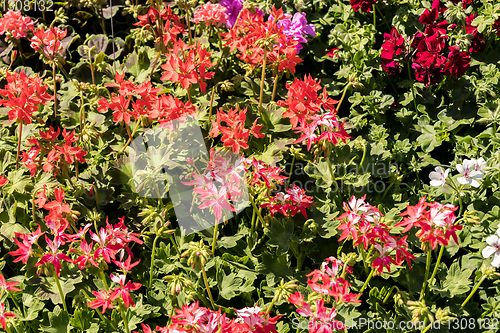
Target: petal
{"x": 495, "y": 262}
{"x": 492, "y": 240}
{"x": 488, "y": 251}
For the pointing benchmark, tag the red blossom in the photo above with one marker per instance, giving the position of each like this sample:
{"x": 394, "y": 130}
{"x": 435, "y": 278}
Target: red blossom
{"x": 15, "y": 25}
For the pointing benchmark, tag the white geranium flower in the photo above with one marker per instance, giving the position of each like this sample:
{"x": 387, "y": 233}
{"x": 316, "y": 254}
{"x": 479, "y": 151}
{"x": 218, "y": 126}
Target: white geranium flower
{"x": 480, "y": 165}
{"x": 438, "y": 177}
{"x": 493, "y": 249}
{"x": 468, "y": 169}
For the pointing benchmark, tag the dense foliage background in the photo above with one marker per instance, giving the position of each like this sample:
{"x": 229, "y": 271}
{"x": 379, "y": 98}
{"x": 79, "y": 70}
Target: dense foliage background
{"x": 408, "y": 102}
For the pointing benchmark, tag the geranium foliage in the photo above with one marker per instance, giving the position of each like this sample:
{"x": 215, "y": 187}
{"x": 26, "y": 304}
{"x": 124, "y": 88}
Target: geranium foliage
{"x": 232, "y": 166}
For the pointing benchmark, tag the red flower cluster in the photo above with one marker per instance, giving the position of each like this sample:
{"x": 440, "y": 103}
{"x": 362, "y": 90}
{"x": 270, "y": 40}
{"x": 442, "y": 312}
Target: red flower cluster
{"x": 477, "y": 43}
{"x": 364, "y": 5}
{"x": 3, "y": 181}
{"x": 23, "y": 95}
{"x": 291, "y": 203}
{"x": 105, "y": 298}
{"x": 153, "y": 20}
{"x": 211, "y": 14}
{"x": 188, "y": 64}
{"x": 48, "y": 42}
{"x": 303, "y": 100}
{"x": 322, "y": 318}
{"x": 4, "y": 315}
{"x": 437, "y": 224}
{"x": 429, "y": 62}
{"x": 57, "y": 155}
{"x": 15, "y": 25}
{"x": 163, "y": 108}
{"x": 234, "y": 133}
{"x": 220, "y": 185}
{"x": 193, "y": 318}
{"x": 262, "y": 172}
{"x": 252, "y": 32}
{"x": 364, "y": 226}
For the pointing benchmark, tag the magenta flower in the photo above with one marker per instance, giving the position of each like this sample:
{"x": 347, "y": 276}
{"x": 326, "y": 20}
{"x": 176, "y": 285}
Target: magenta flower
{"x": 233, "y": 9}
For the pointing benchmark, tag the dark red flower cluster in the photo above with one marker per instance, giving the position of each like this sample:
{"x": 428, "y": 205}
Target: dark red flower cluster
{"x": 22, "y": 95}
{"x": 234, "y": 133}
{"x": 154, "y": 20}
{"x": 364, "y": 5}
{"x": 251, "y": 35}
{"x": 52, "y": 156}
{"x": 289, "y": 203}
{"x": 477, "y": 43}
{"x": 163, "y": 108}
{"x": 187, "y": 65}
{"x": 429, "y": 47}
{"x": 364, "y": 226}
{"x": 436, "y": 223}
{"x": 193, "y": 318}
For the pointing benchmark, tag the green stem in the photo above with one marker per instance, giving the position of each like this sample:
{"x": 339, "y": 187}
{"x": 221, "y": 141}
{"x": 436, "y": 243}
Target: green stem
{"x": 412, "y": 88}
{"x": 214, "y": 240}
{"x": 252, "y": 225}
{"x": 276, "y": 76}
{"x": 367, "y": 281}
{"x": 290, "y": 173}
{"x": 437, "y": 264}
{"x": 220, "y": 46}
{"x": 262, "y": 81}
{"x": 103, "y": 277}
{"x": 427, "y": 268}
{"x": 389, "y": 294}
{"x": 374, "y": 15}
{"x": 58, "y": 283}
{"x": 258, "y": 212}
{"x": 270, "y": 306}
{"x": 153, "y": 253}
{"x": 125, "y": 320}
{"x": 427, "y": 328}
{"x": 130, "y": 138}
{"x": 206, "y": 285}
{"x": 19, "y": 143}
{"x": 473, "y": 291}
{"x": 363, "y": 254}
{"x": 343, "y": 95}
{"x": 383, "y": 17}
{"x": 212, "y": 102}
{"x": 55, "y": 88}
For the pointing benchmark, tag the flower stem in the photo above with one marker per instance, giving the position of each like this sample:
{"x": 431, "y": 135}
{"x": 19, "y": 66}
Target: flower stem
{"x": 153, "y": 253}
{"x": 130, "y": 138}
{"x": 19, "y": 143}
{"x": 58, "y": 283}
{"x": 367, "y": 280}
{"x": 125, "y": 320}
{"x": 427, "y": 268}
{"x": 412, "y": 88}
{"x": 473, "y": 291}
{"x": 343, "y": 95}
{"x": 258, "y": 212}
{"x": 55, "y": 88}
{"x": 212, "y": 102}
{"x": 206, "y": 285}
{"x": 262, "y": 81}
{"x": 91, "y": 67}
{"x": 154, "y": 65}
{"x": 254, "y": 214}
{"x": 276, "y": 76}
{"x": 290, "y": 173}
{"x": 215, "y": 237}
{"x": 103, "y": 277}
{"x": 374, "y": 15}
{"x": 189, "y": 28}
{"x": 437, "y": 264}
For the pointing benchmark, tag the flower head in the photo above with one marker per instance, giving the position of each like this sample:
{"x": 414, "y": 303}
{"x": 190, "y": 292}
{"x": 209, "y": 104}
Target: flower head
{"x": 15, "y": 25}
{"x": 493, "y": 248}
{"x": 438, "y": 177}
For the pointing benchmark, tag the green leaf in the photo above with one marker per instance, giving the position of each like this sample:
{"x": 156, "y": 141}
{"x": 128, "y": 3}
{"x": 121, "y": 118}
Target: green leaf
{"x": 17, "y": 181}
{"x": 229, "y": 285}
{"x": 49, "y": 287}
{"x": 59, "y": 322}
{"x": 279, "y": 235}
{"x": 428, "y": 139}
{"x": 456, "y": 282}
{"x": 84, "y": 320}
